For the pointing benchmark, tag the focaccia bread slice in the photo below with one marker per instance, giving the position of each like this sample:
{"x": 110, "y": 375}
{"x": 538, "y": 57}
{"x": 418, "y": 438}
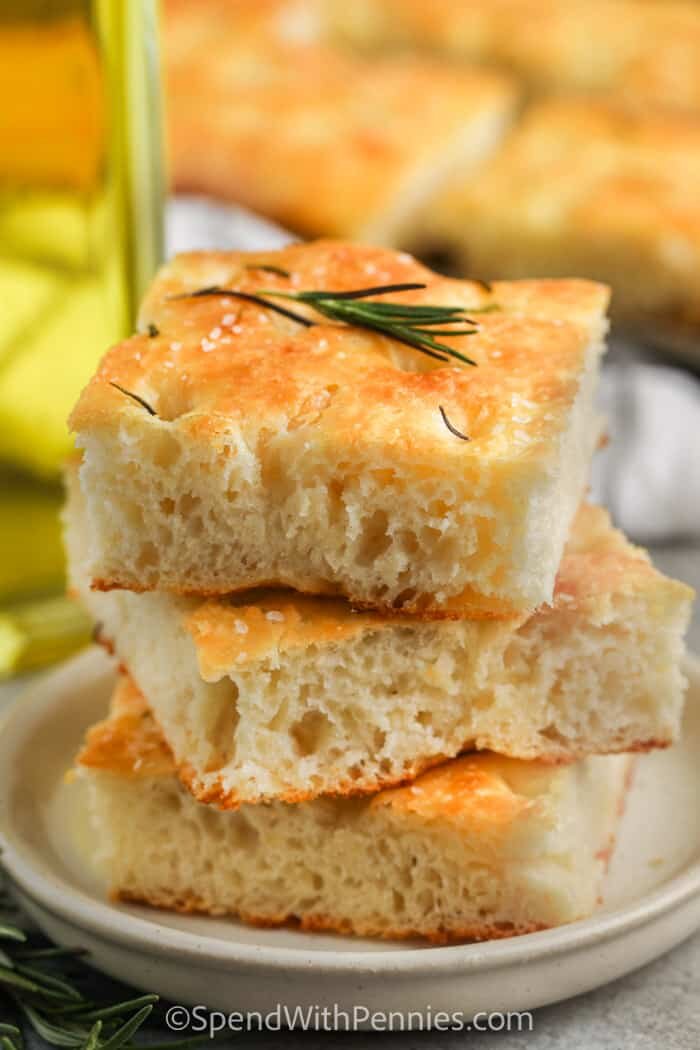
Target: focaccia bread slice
{"x": 591, "y": 188}
{"x": 333, "y": 459}
{"x": 644, "y": 52}
{"x": 480, "y": 847}
{"x": 274, "y": 695}
{"x": 323, "y": 142}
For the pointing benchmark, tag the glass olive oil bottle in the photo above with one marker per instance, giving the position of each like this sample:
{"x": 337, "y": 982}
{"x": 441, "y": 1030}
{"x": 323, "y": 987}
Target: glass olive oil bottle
{"x": 80, "y": 203}
{"x": 81, "y": 197}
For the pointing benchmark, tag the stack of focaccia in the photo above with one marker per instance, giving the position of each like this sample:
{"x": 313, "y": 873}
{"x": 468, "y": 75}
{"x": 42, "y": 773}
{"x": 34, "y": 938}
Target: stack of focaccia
{"x": 382, "y": 670}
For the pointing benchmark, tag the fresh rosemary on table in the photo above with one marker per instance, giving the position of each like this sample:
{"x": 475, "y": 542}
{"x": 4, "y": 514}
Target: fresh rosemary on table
{"x": 38, "y": 992}
{"x": 414, "y": 324}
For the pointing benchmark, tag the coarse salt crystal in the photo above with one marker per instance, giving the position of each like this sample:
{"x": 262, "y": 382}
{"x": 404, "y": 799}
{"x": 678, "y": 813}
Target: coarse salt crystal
{"x": 215, "y": 333}
{"x": 274, "y": 616}
{"x": 240, "y": 627}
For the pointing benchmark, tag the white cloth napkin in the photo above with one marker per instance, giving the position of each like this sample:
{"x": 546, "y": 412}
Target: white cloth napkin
{"x": 193, "y": 223}
{"x": 648, "y": 475}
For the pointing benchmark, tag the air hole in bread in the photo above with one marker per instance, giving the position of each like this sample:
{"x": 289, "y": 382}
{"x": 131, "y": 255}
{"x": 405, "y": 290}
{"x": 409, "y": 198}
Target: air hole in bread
{"x": 187, "y": 503}
{"x": 407, "y": 595}
{"x": 222, "y": 718}
{"x": 165, "y": 449}
{"x": 379, "y": 739}
{"x": 311, "y": 732}
{"x": 375, "y": 540}
{"x": 148, "y": 556}
{"x": 553, "y": 734}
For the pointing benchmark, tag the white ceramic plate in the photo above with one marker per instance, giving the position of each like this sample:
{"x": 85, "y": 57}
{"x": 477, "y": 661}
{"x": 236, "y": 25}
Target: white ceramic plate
{"x": 652, "y": 894}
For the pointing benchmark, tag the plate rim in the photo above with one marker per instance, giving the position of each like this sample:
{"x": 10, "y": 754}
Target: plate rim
{"x": 55, "y": 894}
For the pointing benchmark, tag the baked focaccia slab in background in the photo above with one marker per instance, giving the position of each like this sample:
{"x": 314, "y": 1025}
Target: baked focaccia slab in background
{"x": 321, "y": 141}
{"x": 593, "y": 188}
{"x": 274, "y": 695}
{"x": 330, "y": 458}
{"x": 479, "y": 847}
{"x": 646, "y": 53}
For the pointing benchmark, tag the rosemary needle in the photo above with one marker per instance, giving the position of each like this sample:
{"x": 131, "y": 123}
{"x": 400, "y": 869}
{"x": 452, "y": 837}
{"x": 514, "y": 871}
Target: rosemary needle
{"x": 268, "y": 268}
{"x": 450, "y": 426}
{"x": 93, "y": 1039}
{"x": 134, "y": 397}
{"x": 414, "y": 324}
{"x": 246, "y": 297}
{"x": 55, "y": 1009}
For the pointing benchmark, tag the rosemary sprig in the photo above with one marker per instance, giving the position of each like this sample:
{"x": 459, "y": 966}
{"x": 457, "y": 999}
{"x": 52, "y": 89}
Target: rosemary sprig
{"x": 36, "y": 985}
{"x": 413, "y": 324}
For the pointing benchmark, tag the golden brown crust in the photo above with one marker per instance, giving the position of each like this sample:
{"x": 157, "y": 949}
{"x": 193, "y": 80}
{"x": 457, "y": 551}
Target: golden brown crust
{"x": 190, "y": 903}
{"x": 468, "y": 605}
{"x": 532, "y": 348}
{"x": 128, "y": 742}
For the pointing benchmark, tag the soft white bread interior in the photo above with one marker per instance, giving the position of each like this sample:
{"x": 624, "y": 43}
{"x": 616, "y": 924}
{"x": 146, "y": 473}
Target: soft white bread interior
{"x": 480, "y": 847}
{"x": 278, "y": 695}
{"x": 320, "y": 458}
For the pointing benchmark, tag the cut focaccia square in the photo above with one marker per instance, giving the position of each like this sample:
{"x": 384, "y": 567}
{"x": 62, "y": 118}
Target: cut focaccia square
{"x": 479, "y": 847}
{"x": 274, "y": 695}
{"x": 325, "y": 143}
{"x": 333, "y": 459}
{"x": 590, "y": 188}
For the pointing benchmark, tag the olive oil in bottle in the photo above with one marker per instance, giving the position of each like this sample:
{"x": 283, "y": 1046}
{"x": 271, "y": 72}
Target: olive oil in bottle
{"x": 80, "y": 235}
{"x": 80, "y": 203}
